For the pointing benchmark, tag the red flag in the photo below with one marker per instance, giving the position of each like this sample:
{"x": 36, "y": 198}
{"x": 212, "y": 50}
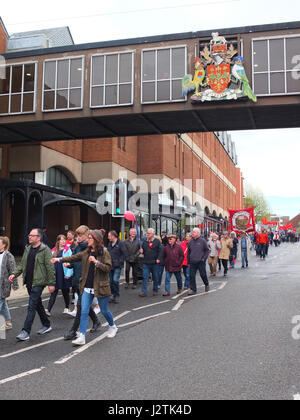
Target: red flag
{"x": 242, "y": 220}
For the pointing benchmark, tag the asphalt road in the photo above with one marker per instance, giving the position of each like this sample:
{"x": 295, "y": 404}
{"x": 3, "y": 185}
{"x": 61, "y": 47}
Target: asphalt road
{"x": 236, "y": 342}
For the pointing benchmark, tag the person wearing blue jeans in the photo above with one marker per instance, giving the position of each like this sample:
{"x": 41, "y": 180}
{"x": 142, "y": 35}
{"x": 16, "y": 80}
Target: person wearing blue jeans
{"x": 187, "y": 273}
{"x": 94, "y": 282}
{"x": 151, "y": 251}
{"x": 86, "y": 301}
{"x": 244, "y": 250}
{"x": 178, "y": 277}
{"x": 114, "y": 278}
{"x": 173, "y": 257}
{"x": 161, "y": 265}
{"x": 147, "y": 270}
{"x": 118, "y": 254}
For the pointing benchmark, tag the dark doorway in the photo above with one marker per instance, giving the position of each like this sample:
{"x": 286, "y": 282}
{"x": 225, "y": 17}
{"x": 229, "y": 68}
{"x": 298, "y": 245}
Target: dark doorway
{"x": 15, "y": 221}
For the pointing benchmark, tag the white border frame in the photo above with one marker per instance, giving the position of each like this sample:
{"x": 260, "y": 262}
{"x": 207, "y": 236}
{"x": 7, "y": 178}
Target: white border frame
{"x": 269, "y": 72}
{"x": 118, "y": 53}
{"x": 155, "y": 81}
{"x": 23, "y": 64}
{"x": 69, "y": 58}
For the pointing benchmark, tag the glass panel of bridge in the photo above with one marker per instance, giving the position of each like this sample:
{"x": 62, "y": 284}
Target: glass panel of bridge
{"x": 17, "y": 72}
{"x": 76, "y": 73}
{"x": 276, "y": 54}
{"x": 111, "y": 69}
{"x": 49, "y": 75}
{"x": 149, "y": 65}
{"x": 125, "y": 68}
{"x": 260, "y": 56}
{"x": 277, "y": 83}
{"x": 62, "y": 74}
{"x": 29, "y": 76}
{"x": 261, "y": 84}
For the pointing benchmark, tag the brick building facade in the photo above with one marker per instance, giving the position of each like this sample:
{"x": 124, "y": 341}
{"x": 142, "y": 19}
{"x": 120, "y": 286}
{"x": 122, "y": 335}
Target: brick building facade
{"x": 54, "y": 183}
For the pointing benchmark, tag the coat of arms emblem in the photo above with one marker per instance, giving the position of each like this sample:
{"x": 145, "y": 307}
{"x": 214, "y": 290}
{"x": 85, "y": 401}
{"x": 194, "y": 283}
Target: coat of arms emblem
{"x": 219, "y": 74}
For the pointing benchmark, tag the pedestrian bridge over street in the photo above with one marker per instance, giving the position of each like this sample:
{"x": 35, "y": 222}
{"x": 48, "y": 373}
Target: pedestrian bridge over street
{"x": 134, "y": 87}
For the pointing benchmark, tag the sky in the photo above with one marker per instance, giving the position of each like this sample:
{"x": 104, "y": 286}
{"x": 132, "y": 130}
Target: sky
{"x": 268, "y": 158}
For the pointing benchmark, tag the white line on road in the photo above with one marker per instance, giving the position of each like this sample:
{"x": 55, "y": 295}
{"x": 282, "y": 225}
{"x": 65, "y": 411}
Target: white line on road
{"x": 180, "y": 294}
{"x": 31, "y": 347}
{"x": 4, "y": 356}
{"x": 151, "y": 304}
{"x": 178, "y": 305}
{"x": 143, "y": 319}
{"x": 297, "y": 397}
{"x": 69, "y": 356}
{"x": 21, "y": 375}
{"x": 66, "y": 358}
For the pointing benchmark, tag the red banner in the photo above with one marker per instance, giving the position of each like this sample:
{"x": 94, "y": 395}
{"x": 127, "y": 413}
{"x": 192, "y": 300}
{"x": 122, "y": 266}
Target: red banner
{"x": 242, "y": 220}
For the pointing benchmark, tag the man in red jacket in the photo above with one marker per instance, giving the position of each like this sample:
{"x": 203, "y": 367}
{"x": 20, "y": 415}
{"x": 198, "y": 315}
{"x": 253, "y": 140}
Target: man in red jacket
{"x": 173, "y": 258}
{"x": 263, "y": 241}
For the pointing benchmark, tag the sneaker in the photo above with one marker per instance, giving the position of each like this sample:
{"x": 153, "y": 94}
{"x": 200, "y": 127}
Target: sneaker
{"x": 192, "y": 292}
{"x": 179, "y": 291}
{"x": 44, "y": 330}
{"x": 142, "y": 294}
{"x": 73, "y": 313}
{"x": 97, "y": 309}
{"x": 23, "y": 336}
{"x": 47, "y": 312}
{"x": 80, "y": 341}
{"x": 166, "y": 294}
{"x": 66, "y": 311}
{"x": 8, "y": 325}
{"x": 112, "y": 331}
{"x": 70, "y": 335}
{"x": 207, "y": 288}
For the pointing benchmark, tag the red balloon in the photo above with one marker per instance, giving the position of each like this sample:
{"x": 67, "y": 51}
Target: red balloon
{"x": 129, "y": 216}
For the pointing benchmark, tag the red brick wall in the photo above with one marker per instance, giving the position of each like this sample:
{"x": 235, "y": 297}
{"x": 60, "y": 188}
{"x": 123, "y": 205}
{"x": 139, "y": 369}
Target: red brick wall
{"x": 72, "y": 148}
{"x": 160, "y": 154}
{"x": 2, "y": 40}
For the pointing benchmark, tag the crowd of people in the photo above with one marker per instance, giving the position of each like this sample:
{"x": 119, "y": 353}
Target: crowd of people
{"x": 81, "y": 261}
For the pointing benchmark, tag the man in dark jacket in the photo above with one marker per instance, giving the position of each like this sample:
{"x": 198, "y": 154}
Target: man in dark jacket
{"x": 117, "y": 251}
{"x": 198, "y": 252}
{"x": 173, "y": 258}
{"x": 82, "y": 233}
{"x": 38, "y": 272}
{"x": 150, "y": 249}
{"x": 132, "y": 249}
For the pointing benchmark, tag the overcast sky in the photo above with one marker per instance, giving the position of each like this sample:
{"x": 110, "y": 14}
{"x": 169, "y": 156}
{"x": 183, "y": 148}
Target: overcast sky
{"x": 268, "y": 158}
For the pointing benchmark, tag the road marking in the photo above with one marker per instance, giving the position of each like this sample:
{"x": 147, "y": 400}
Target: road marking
{"x": 4, "y": 356}
{"x": 178, "y": 305}
{"x": 223, "y": 285}
{"x": 143, "y": 319}
{"x": 180, "y": 294}
{"x": 30, "y": 348}
{"x": 69, "y": 356}
{"x": 21, "y": 375}
{"x": 151, "y": 304}
{"x": 297, "y": 397}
